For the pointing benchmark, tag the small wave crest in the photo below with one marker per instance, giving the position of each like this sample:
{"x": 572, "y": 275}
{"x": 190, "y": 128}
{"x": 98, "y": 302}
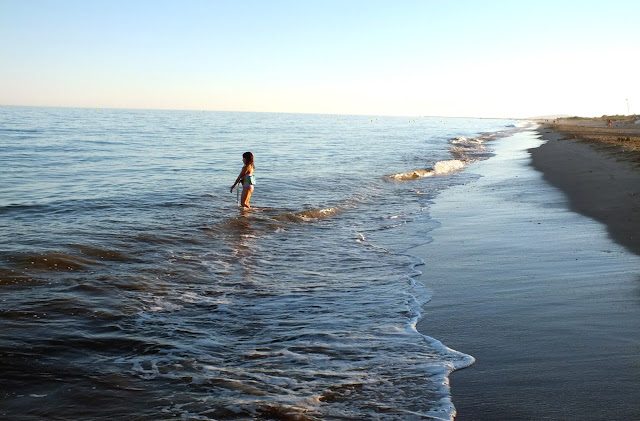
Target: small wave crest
{"x": 440, "y": 168}
{"x": 463, "y": 140}
{"x": 446, "y": 167}
{"x": 312, "y": 214}
{"x": 520, "y": 124}
{"x": 12, "y": 276}
{"x": 472, "y": 149}
{"x": 21, "y": 208}
{"x": 82, "y": 259}
{"x": 54, "y": 261}
{"x": 257, "y": 222}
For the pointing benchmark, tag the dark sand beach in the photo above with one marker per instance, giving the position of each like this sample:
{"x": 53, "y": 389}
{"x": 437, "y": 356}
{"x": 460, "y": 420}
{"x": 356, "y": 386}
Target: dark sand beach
{"x": 599, "y": 170}
{"x": 545, "y": 293}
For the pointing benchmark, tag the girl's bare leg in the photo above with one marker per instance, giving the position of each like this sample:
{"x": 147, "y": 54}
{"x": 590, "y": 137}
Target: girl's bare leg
{"x": 246, "y": 196}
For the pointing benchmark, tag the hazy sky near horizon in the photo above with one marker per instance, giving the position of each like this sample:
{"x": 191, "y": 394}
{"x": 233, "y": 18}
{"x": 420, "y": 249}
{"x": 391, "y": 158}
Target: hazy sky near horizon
{"x": 458, "y": 58}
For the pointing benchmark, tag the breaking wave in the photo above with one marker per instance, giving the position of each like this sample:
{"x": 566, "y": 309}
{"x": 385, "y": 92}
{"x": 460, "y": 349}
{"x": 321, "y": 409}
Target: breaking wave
{"x": 440, "y": 168}
{"x": 465, "y": 150}
{"x": 312, "y": 214}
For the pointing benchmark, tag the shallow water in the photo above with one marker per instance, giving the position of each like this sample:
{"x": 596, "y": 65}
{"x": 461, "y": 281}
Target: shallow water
{"x": 133, "y": 285}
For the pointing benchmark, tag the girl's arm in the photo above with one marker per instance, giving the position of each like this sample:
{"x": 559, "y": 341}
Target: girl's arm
{"x": 242, "y": 173}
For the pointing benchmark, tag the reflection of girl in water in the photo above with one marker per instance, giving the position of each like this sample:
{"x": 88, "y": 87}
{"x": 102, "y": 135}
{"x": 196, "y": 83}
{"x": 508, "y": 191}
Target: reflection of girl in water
{"x": 247, "y": 179}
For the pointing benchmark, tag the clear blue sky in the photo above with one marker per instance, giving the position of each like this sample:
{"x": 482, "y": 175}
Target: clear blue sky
{"x": 455, "y": 58}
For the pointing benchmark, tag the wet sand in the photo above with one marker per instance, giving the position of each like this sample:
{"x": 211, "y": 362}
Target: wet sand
{"x": 540, "y": 295}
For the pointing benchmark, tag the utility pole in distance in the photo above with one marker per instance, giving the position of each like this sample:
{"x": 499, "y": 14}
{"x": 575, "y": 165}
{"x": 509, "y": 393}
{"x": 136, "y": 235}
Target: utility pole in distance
{"x": 628, "y": 107}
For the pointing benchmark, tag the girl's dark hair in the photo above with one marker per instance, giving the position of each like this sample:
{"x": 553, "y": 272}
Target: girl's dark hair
{"x": 249, "y": 158}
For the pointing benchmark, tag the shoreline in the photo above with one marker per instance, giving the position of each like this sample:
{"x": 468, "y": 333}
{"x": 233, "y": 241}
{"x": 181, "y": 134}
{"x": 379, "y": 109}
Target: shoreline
{"x": 541, "y": 296}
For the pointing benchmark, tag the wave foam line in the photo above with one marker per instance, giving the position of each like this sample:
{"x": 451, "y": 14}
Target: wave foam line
{"x": 454, "y": 360}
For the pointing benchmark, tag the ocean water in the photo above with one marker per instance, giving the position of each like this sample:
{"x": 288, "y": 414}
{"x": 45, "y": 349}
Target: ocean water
{"x": 132, "y": 286}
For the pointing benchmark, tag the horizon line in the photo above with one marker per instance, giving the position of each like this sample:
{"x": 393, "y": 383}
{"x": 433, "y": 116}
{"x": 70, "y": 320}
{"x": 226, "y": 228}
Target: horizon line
{"x": 262, "y": 112}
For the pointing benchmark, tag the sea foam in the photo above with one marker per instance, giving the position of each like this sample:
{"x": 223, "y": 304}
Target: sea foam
{"x": 440, "y": 168}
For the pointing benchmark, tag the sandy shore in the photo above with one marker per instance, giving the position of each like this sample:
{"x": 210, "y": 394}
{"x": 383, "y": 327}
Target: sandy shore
{"x": 598, "y": 168}
{"x": 540, "y": 295}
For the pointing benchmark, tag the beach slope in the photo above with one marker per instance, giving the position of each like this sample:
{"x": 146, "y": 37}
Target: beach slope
{"x": 598, "y": 168}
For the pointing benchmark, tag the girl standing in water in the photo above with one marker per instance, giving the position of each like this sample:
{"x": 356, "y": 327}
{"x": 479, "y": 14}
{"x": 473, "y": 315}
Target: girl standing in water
{"x": 247, "y": 179}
